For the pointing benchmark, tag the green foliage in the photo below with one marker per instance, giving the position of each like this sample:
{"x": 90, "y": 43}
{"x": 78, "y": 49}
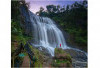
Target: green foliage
{"x": 39, "y": 57}
{"x": 59, "y": 51}
{"x": 72, "y": 18}
{"x": 15, "y": 8}
{"x": 61, "y": 58}
{"x": 17, "y": 32}
{"x": 59, "y": 63}
{"x": 51, "y": 8}
{"x": 62, "y": 61}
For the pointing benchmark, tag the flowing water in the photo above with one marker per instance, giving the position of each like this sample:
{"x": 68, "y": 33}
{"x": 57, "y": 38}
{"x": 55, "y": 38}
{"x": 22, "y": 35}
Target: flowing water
{"x": 47, "y": 34}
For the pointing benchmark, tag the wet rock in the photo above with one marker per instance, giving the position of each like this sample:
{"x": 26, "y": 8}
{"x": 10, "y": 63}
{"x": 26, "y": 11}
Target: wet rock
{"x": 61, "y": 58}
{"x": 79, "y": 59}
{"x": 78, "y": 55}
{"x": 44, "y": 51}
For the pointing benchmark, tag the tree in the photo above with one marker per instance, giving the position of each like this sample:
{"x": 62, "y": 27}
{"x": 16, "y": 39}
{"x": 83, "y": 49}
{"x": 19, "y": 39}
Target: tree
{"x": 41, "y": 9}
{"x": 72, "y": 19}
{"x": 51, "y": 8}
{"x": 58, "y": 8}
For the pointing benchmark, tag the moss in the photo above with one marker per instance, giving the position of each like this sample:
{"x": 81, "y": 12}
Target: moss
{"x": 69, "y": 57}
{"x": 38, "y": 64}
{"x": 55, "y": 64}
{"x": 68, "y": 63}
{"x": 59, "y": 63}
{"x": 39, "y": 56}
{"x": 61, "y": 58}
{"x": 59, "y": 50}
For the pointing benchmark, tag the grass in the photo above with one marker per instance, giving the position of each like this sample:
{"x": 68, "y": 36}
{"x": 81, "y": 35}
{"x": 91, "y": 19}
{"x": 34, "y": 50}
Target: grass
{"x": 59, "y": 50}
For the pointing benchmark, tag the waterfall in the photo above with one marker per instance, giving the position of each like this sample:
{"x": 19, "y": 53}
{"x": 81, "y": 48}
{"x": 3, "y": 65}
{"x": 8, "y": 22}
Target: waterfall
{"x": 46, "y": 33}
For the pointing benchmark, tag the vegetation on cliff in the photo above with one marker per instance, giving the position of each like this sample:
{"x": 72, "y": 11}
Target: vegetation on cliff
{"x": 19, "y": 36}
{"x": 18, "y": 32}
{"x": 22, "y": 53}
{"x": 72, "y": 19}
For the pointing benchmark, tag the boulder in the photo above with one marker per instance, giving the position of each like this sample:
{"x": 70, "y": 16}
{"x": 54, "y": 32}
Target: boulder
{"x": 61, "y": 58}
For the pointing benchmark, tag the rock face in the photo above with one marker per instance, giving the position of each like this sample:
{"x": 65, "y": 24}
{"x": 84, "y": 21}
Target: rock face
{"x": 25, "y": 21}
{"x": 61, "y": 59}
{"x": 79, "y": 59}
{"x": 78, "y": 55}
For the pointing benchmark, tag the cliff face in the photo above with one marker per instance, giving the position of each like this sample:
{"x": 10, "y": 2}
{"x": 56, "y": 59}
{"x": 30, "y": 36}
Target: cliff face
{"x": 21, "y": 32}
{"x": 20, "y": 15}
{"x": 21, "y": 26}
{"x": 26, "y": 22}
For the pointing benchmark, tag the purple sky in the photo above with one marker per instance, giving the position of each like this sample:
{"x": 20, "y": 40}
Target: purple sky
{"x": 36, "y": 4}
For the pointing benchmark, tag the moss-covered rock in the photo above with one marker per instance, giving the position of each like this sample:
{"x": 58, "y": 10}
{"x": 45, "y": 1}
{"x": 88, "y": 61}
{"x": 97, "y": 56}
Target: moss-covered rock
{"x": 61, "y": 58}
{"x": 39, "y": 57}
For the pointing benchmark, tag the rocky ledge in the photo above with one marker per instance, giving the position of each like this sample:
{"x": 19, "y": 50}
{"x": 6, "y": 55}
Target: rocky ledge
{"x": 79, "y": 59}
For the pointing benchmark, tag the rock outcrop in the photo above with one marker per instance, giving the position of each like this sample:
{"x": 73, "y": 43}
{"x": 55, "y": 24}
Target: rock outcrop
{"x": 79, "y": 59}
{"x": 26, "y": 23}
{"x": 61, "y": 59}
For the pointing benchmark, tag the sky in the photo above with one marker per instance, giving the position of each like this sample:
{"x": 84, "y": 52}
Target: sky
{"x": 36, "y": 4}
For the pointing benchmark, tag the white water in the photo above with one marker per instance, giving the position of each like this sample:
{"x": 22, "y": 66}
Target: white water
{"x": 47, "y": 34}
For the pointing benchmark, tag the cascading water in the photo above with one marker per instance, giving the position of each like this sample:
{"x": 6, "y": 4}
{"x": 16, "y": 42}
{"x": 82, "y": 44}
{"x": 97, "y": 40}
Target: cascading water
{"x": 46, "y": 33}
